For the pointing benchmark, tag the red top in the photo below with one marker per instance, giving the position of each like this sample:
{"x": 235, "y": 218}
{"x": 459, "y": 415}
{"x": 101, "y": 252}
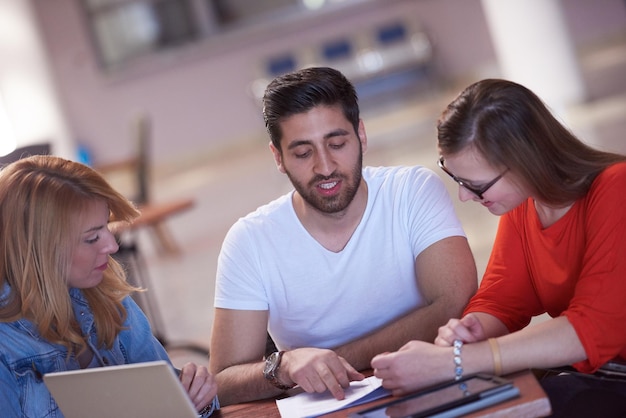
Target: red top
{"x": 575, "y": 267}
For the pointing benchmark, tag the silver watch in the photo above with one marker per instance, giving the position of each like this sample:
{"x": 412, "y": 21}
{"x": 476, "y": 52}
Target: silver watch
{"x": 270, "y": 371}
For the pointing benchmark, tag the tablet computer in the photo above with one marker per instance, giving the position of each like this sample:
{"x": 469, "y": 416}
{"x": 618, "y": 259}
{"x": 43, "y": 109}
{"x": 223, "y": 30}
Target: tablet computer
{"x": 614, "y": 368}
{"x": 446, "y": 400}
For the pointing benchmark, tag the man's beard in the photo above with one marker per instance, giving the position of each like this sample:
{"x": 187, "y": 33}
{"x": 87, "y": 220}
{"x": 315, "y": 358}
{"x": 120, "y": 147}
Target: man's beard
{"x": 332, "y": 204}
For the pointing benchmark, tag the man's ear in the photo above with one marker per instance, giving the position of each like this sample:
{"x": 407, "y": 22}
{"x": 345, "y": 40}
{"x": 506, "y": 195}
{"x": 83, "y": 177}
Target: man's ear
{"x": 278, "y": 158}
{"x": 362, "y": 136}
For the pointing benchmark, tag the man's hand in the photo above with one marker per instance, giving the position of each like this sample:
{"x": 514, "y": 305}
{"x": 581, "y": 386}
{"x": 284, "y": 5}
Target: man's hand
{"x": 317, "y": 370}
{"x": 199, "y": 384}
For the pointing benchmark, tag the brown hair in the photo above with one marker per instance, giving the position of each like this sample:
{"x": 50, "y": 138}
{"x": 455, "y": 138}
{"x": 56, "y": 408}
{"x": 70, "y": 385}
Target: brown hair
{"x": 512, "y": 128}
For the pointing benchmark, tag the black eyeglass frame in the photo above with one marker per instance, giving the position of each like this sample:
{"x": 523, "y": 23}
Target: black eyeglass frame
{"x": 478, "y": 192}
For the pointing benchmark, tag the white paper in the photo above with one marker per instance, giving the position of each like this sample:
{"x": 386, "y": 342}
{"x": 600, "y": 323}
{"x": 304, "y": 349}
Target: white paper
{"x": 305, "y": 404}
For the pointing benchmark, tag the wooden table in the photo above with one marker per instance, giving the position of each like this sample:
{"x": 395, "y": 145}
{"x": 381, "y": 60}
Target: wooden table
{"x": 531, "y": 403}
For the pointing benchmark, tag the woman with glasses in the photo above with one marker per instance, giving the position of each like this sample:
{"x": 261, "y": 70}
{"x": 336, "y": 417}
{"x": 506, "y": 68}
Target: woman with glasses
{"x": 560, "y": 249}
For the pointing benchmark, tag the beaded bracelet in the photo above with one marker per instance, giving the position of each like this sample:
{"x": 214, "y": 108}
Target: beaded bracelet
{"x": 458, "y": 366}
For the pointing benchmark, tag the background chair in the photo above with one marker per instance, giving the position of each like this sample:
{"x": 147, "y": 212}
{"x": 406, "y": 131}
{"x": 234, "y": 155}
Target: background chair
{"x": 133, "y": 177}
{"x": 136, "y": 172}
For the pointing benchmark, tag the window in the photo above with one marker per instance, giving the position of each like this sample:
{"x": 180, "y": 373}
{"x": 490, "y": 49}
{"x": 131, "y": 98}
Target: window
{"x": 236, "y": 12}
{"x": 123, "y": 30}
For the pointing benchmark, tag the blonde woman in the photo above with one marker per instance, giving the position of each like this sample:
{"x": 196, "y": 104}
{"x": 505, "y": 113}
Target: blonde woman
{"x": 64, "y": 301}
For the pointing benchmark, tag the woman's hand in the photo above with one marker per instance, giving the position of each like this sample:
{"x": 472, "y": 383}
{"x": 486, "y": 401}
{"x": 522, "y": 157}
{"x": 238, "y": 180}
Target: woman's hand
{"x": 467, "y": 329}
{"x": 199, "y": 384}
{"x": 416, "y": 365}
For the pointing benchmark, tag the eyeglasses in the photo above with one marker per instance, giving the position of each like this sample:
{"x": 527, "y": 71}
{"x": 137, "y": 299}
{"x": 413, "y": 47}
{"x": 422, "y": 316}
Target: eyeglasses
{"x": 478, "y": 192}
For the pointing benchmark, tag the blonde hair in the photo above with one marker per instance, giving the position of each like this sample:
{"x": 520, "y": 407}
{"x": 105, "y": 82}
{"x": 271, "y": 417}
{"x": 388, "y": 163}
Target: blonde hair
{"x": 41, "y": 199}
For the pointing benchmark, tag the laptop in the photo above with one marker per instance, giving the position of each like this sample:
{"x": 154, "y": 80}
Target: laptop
{"x": 149, "y": 389}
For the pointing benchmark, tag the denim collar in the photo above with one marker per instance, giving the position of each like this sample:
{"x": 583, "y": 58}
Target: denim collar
{"x": 4, "y": 294}
{"x": 76, "y": 294}
{"x": 78, "y": 298}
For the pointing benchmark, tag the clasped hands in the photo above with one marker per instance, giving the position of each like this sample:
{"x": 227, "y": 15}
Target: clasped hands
{"x": 317, "y": 370}
{"x": 415, "y": 365}
{"x": 418, "y": 364}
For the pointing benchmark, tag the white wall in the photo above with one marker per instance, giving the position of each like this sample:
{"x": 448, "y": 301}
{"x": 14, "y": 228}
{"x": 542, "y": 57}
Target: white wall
{"x": 198, "y": 97}
{"x": 28, "y": 96}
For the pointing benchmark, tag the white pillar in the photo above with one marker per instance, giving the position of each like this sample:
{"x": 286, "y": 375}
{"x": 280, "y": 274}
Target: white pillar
{"x": 534, "y": 49}
{"x": 27, "y": 91}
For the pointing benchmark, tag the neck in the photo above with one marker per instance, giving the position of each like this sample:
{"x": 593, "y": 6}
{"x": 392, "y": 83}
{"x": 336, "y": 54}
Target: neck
{"x": 548, "y": 215}
{"x": 332, "y": 230}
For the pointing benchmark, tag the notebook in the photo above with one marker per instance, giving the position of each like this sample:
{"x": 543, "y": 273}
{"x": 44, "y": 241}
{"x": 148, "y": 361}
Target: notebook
{"x": 149, "y": 389}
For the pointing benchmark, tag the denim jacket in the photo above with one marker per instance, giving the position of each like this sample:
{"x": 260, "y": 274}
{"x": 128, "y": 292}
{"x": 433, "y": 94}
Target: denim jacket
{"x": 25, "y": 356}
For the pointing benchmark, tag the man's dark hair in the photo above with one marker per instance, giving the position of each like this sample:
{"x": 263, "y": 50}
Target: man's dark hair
{"x": 302, "y": 90}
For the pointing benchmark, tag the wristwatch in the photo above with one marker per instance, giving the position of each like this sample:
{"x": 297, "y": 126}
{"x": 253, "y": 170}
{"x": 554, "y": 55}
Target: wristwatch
{"x": 272, "y": 363}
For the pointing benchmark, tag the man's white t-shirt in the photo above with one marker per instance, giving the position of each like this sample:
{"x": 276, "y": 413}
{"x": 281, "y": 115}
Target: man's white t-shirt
{"x": 319, "y": 298}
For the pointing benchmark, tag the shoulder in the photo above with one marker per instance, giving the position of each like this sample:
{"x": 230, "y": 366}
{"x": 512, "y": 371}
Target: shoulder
{"x": 270, "y": 209}
{"x": 615, "y": 172}
{"x": 130, "y": 305}
{"x": 274, "y": 214}
{"x": 21, "y": 339}
{"x": 416, "y": 191}
{"x": 611, "y": 180}
{"x": 518, "y": 215}
{"x": 397, "y": 170}
{"x": 413, "y": 185}
{"x": 399, "y": 175}
{"x": 607, "y": 193}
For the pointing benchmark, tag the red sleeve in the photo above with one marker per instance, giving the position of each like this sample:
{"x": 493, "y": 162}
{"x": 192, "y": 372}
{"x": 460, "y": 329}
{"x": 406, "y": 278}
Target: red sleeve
{"x": 506, "y": 290}
{"x": 598, "y": 309}
{"x": 577, "y": 269}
